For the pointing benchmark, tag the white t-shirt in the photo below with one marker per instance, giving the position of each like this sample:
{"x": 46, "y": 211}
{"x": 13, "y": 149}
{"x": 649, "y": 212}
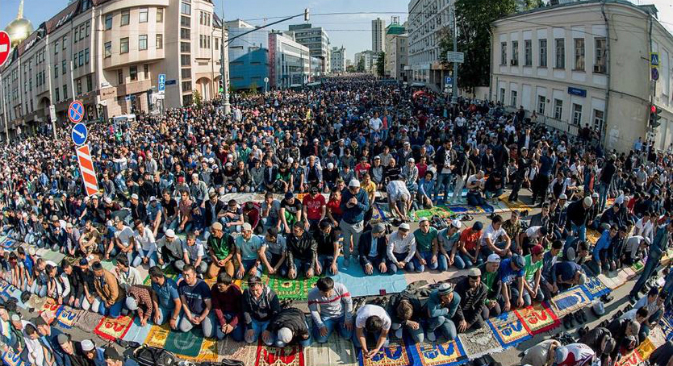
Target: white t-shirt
{"x": 145, "y": 240}
{"x": 396, "y": 189}
{"x": 492, "y": 234}
{"x": 375, "y": 124}
{"x": 532, "y": 232}
{"x": 372, "y": 310}
{"x": 125, "y": 235}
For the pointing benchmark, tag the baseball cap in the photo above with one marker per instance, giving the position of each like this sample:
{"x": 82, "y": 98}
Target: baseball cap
{"x": 134, "y": 196}
{"x": 378, "y": 228}
{"x": 153, "y": 198}
{"x": 405, "y": 227}
{"x": 493, "y": 258}
{"x": 456, "y": 223}
{"x": 170, "y": 233}
{"x": 537, "y": 250}
{"x": 354, "y": 183}
{"x": 474, "y": 272}
{"x": 518, "y": 261}
{"x": 87, "y": 345}
{"x": 246, "y": 227}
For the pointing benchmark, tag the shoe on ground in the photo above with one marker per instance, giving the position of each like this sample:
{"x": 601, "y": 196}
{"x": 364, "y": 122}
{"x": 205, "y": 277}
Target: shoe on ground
{"x": 632, "y": 299}
{"x": 432, "y": 337}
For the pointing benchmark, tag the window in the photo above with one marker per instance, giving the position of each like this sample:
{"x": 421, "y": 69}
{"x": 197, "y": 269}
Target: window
{"x": 599, "y": 63}
{"x": 185, "y": 47}
{"x": 503, "y": 53}
{"x": 108, "y": 22}
{"x": 185, "y": 21}
{"x": 146, "y": 71}
{"x": 160, "y": 15}
{"x": 528, "y": 52}
{"x": 65, "y": 91}
{"x": 76, "y": 35}
{"x": 502, "y": 95}
{"x": 543, "y": 53}
{"x": 185, "y": 9}
{"x": 184, "y": 60}
{"x": 79, "y": 86}
{"x": 142, "y": 15}
{"x": 55, "y": 71}
{"x": 74, "y": 57}
{"x": 89, "y": 83}
{"x": 56, "y": 48}
{"x": 513, "y": 98}
{"x": 577, "y": 114}
{"x": 558, "y": 109}
{"x": 65, "y": 41}
{"x": 187, "y": 73}
{"x": 515, "y": 53}
{"x": 126, "y": 17}
{"x": 579, "y": 54}
{"x": 63, "y": 68}
{"x": 541, "y": 104}
{"x": 133, "y": 73}
{"x": 120, "y": 76}
{"x": 88, "y": 28}
{"x": 160, "y": 41}
{"x": 186, "y": 86}
{"x": 108, "y": 49}
{"x": 142, "y": 42}
{"x": 86, "y": 56}
{"x": 560, "y": 53}
{"x": 81, "y": 58}
{"x": 124, "y": 45}
{"x": 184, "y": 33}
{"x": 56, "y": 94}
{"x": 598, "y": 120}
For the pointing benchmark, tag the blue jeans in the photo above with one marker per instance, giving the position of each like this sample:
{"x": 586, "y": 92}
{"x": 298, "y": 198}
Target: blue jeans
{"x": 247, "y": 265}
{"x": 165, "y": 314}
{"x": 650, "y": 268}
{"x": 356, "y": 340}
{"x": 114, "y": 311}
{"x": 409, "y": 267}
{"x": 603, "y": 190}
{"x": 443, "y": 181}
{"x": 300, "y": 266}
{"x": 458, "y": 262}
{"x": 485, "y": 251}
{"x": 273, "y": 260}
{"x": 445, "y": 325}
{"x": 469, "y": 263}
{"x": 326, "y": 262}
{"x": 236, "y": 334}
{"x": 143, "y": 254}
{"x": 428, "y": 260}
{"x": 258, "y": 327}
{"x": 475, "y": 199}
{"x": 580, "y": 231}
{"x": 330, "y": 324}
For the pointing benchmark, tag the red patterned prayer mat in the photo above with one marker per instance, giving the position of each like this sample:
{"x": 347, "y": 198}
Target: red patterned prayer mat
{"x": 113, "y": 329}
{"x": 274, "y": 356}
{"x": 537, "y": 318}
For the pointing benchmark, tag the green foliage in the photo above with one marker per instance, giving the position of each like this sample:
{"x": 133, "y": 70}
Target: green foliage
{"x": 361, "y": 65}
{"x": 198, "y": 100}
{"x": 254, "y": 88}
{"x": 350, "y": 68}
{"x": 474, "y": 18}
{"x": 381, "y": 64}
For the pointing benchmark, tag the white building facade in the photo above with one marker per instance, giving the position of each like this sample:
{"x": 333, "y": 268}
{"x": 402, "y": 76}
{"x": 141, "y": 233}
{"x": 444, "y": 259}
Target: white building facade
{"x": 289, "y": 62}
{"x": 397, "y": 56}
{"x": 574, "y": 68}
{"x": 317, "y": 41}
{"x": 428, "y": 22}
{"x": 338, "y": 60}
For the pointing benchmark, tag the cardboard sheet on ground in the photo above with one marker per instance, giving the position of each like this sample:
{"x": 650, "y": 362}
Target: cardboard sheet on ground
{"x": 360, "y": 284}
{"x": 53, "y": 256}
{"x": 337, "y": 351}
{"x": 88, "y": 321}
{"x": 480, "y": 342}
{"x": 449, "y": 353}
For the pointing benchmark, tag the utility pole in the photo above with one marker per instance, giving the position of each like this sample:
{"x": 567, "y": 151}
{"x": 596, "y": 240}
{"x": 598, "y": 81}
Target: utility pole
{"x": 4, "y": 111}
{"x": 454, "y": 98}
{"x": 223, "y": 71}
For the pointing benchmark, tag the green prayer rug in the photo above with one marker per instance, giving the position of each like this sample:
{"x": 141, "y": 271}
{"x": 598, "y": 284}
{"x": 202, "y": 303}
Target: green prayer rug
{"x": 292, "y": 289}
{"x": 184, "y": 343}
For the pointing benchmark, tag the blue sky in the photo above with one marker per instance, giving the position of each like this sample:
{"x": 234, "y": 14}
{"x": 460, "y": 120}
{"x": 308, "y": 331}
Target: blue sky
{"x": 353, "y": 31}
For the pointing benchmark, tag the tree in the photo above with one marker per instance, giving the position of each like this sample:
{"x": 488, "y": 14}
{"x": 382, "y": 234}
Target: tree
{"x": 474, "y": 18}
{"x": 197, "y": 98}
{"x": 361, "y": 65}
{"x": 253, "y": 88}
{"x": 381, "y": 64}
{"x": 350, "y": 68}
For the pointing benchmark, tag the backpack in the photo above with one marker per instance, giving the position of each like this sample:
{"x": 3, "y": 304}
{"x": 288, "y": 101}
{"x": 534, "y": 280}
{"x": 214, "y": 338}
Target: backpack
{"x": 153, "y": 356}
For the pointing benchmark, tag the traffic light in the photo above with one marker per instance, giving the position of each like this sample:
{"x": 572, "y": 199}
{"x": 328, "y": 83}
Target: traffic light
{"x": 306, "y": 15}
{"x": 654, "y": 116}
{"x": 221, "y": 85}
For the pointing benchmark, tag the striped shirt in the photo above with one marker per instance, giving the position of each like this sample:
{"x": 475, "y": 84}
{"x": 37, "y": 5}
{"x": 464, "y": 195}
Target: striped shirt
{"x": 339, "y": 303}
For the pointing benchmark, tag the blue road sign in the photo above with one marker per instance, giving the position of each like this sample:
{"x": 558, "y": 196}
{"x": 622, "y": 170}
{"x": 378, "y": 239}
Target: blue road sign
{"x": 79, "y": 134}
{"x": 76, "y": 111}
{"x": 655, "y": 74}
{"x": 654, "y": 59}
{"x": 449, "y": 81}
{"x": 162, "y": 82}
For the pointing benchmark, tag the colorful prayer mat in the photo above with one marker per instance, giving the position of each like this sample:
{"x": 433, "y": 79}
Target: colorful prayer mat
{"x": 185, "y": 343}
{"x": 569, "y": 301}
{"x": 8, "y": 244}
{"x": 592, "y": 236}
{"x": 68, "y": 317}
{"x": 638, "y": 266}
{"x": 436, "y": 354}
{"x": 274, "y": 356}
{"x": 396, "y": 354}
{"x": 50, "y": 311}
{"x": 465, "y": 209}
{"x": 479, "y": 343}
{"x": 158, "y": 335}
{"x": 632, "y": 359}
{"x": 292, "y": 289}
{"x": 594, "y": 288}
{"x": 508, "y": 329}
{"x": 378, "y": 214}
{"x": 645, "y": 349}
{"x": 429, "y": 213}
{"x": 113, "y": 328}
{"x": 10, "y": 358}
{"x": 537, "y": 318}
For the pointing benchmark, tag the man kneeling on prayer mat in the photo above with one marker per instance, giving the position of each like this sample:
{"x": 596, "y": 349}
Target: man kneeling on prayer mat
{"x": 287, "y": 327}
{"x": 139, "y": 300}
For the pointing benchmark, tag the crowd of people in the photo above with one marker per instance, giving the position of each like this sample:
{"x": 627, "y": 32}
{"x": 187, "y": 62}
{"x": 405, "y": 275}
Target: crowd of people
{"x": 324, "y": 160}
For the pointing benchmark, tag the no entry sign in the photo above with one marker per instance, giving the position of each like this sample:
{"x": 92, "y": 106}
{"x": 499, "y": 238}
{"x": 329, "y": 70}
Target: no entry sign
{"x": 5, "y": 47}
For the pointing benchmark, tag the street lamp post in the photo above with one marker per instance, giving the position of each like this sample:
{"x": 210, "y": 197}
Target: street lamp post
{"x": 223, "y": 71}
